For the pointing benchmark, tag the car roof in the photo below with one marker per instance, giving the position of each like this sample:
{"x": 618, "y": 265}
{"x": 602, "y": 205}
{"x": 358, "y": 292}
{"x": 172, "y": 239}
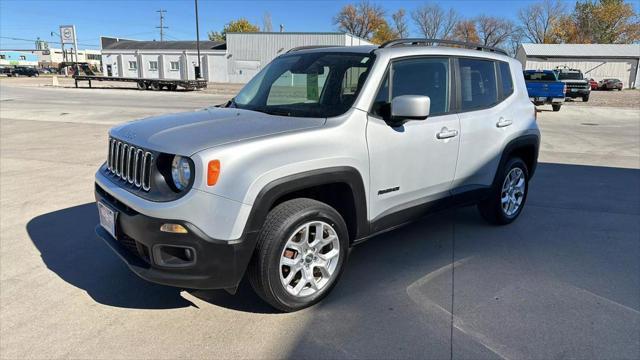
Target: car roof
{"x": 403, "y": 50}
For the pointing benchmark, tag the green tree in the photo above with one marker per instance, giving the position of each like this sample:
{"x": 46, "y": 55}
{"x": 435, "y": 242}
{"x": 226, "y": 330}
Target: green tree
{"x": 240, "y": 25}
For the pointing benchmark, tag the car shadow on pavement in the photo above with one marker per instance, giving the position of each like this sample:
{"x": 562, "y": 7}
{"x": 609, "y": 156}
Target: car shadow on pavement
{"x": 69, "y": 247}
{"x": 376, "y": 274}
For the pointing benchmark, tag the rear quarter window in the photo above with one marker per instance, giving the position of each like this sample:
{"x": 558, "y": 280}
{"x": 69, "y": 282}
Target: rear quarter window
{"x": 505, "y": 79}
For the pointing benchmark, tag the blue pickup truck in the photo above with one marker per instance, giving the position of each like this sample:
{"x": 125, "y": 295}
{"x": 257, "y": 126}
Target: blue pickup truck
{"x": 544, "y": 88}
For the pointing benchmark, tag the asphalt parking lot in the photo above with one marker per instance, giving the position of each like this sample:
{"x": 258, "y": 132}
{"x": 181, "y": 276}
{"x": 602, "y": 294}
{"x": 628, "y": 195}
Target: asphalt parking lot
{"x": 563, "y": 281}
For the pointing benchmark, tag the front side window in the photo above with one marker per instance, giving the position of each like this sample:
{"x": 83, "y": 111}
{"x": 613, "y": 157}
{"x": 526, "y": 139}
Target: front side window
{"x": 422, "y": 76}
{"x": 175, "y": 65}
{"x": 133, "y": 65}
{"x": 22, "y": 57}
{"x": 478, "y": 84}
{"x": 153, "y": 65}
{"x": 306, "y": 85}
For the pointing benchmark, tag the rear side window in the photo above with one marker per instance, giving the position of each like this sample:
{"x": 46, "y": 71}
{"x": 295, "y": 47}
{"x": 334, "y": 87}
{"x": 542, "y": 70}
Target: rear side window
{"x": 421, "y": 76}
{"x": 478, "y": 84}
{"x": 540, "y": 76}
{"x": 505, "y": 78}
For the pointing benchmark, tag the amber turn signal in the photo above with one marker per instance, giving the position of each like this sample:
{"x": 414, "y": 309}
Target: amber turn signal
{"x": 213, "y": 171}
{"x": 173, "y": 228}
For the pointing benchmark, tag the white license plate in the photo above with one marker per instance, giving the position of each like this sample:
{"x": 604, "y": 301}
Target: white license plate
{"x": 107, "y": 218}
{"x": 573, "y": 90}
{"x": 541, "y": 99}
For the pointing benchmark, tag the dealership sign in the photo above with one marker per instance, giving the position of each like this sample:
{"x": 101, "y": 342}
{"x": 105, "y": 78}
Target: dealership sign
{"x": 67, "y": 34}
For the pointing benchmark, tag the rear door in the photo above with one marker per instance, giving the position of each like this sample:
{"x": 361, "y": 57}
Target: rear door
{"x": 411, "y": 165}
{"x": 484, "y": 120}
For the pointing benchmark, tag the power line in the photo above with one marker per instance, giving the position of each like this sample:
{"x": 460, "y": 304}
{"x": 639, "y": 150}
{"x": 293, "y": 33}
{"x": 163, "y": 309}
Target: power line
{"x": 33, "y": 40}
{"x": 161, "y": 27}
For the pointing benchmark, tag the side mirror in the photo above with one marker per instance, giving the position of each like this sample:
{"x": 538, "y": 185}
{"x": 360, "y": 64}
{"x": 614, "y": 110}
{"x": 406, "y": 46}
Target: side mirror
{"x": 409, "y": 107}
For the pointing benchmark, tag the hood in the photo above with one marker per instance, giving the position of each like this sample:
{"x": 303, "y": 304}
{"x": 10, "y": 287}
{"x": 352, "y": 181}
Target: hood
{"x": 190, "y": 132}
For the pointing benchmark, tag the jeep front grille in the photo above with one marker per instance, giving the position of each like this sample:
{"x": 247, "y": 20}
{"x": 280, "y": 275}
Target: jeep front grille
{"x": 130, "y": 164}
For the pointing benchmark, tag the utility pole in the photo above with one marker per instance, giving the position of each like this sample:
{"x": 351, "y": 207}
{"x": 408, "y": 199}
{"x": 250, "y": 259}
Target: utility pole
{"x": 161, "y": 27}
{"x": 198, "y": 69}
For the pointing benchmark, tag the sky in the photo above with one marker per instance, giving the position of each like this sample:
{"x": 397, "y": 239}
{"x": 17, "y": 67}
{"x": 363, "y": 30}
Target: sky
{"x": 23, "y": 21}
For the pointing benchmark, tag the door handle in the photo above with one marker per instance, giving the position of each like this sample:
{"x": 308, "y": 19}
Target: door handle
{"x": 446, "y": 133}
{"x": 503, "y": 122}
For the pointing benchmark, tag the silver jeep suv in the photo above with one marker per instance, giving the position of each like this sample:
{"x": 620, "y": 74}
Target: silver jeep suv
{"x": 324, "y": 148}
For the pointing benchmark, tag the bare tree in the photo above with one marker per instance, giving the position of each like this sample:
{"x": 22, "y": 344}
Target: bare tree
{"x": 539, "y": 20}
{"x": 362, "y": 19}
{"x": 493, "y": 31}
{"x": 266, "y": 22}
{"x": 400, "y": 23}
{"x": 514, "y": 41}
{"x": 434, "y": 22}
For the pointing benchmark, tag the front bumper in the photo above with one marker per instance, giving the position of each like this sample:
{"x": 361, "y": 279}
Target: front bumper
{"x": 216, "y": 264}
{"x": 574, "y": 93}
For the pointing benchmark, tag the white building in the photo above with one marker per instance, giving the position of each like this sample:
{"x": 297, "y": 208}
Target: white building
{"x": 596, "y": 61}
{"x": 54, "y": 56}
{"x": 235, "y": 61}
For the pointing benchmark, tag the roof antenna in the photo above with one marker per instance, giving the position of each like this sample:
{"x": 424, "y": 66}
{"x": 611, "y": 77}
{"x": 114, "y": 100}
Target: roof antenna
{"x": 281, "y": 27}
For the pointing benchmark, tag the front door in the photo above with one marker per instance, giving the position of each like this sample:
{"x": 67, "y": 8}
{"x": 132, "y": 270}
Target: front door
{"x": 411, "y": 165}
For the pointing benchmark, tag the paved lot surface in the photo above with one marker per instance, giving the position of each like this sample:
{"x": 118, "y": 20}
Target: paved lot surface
{"x": 561, "y": 282}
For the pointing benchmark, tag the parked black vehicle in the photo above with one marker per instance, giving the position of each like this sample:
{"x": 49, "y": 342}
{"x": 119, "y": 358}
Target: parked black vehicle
{"x": 577, "y": 85}
{"x": 23, "y": 71}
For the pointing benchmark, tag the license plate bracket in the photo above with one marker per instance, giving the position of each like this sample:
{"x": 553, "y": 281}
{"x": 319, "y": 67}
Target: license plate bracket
{"x": 108, "y": 218}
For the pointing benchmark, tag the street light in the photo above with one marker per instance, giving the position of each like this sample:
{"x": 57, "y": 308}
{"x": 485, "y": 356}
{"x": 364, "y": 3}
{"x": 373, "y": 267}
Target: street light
{"x": 197, "y": 70}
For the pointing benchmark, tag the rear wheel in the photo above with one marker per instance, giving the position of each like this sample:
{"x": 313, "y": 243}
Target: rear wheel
{"x": 556, "y": 107}
{"x": 509, "y": 195}
{"x": 301, "y": 251}
{"x": 155, "y": 86}
{"x": 141, "y": 85}
{"x": 585, "y": 98}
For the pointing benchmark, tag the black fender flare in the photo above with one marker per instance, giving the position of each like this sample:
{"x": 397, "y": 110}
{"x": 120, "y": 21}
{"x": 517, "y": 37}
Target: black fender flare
{"x": 274, "y": 190}
{"x": 516, "y": 144}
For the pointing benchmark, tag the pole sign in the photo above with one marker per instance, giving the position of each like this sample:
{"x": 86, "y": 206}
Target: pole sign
{"x": 67, "y": 34}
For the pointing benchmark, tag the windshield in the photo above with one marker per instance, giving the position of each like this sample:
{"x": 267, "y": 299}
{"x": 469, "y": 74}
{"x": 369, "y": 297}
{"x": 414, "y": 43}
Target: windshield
{"x": 570, "y": 76}
{"x": 539, "y": 76}
{"x": 306, "y": 85}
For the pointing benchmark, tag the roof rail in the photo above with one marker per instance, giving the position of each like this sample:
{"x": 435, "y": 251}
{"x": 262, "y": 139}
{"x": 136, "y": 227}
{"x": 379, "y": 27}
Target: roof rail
{"x": 430, "y": 42}
{"x": 309, "y": 47}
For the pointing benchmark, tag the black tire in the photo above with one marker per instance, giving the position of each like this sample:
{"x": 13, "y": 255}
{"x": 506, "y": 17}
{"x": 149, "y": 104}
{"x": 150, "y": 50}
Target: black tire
{"x": 141, "y": 85}
{"x": 155, "y": 86}
{"x": 556, "y": 107}
{"x": 281, "y": 222}
{"x": 491, "y": 208}
{"x": 585, "y": 98}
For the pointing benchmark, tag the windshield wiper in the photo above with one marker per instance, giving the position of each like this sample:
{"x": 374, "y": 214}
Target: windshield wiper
{"x": 275, "y": 112}
{"x": 231, "y": 103}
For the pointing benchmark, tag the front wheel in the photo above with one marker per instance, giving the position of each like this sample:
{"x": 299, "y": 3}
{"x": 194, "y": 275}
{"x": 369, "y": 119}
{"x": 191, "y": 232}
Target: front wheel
{"x": 556, "y": 107}
{"x": 585, "y": 98}
{"x": 509, "y": 194}
{"x": 301, "y": 251}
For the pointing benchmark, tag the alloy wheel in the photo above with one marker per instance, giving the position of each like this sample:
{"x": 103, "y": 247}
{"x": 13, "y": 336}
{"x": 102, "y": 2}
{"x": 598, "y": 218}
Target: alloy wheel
{"x": 309, "y": 259}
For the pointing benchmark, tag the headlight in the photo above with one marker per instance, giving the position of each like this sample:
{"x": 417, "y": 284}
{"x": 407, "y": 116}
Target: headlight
{"x": 180, "y": 172}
